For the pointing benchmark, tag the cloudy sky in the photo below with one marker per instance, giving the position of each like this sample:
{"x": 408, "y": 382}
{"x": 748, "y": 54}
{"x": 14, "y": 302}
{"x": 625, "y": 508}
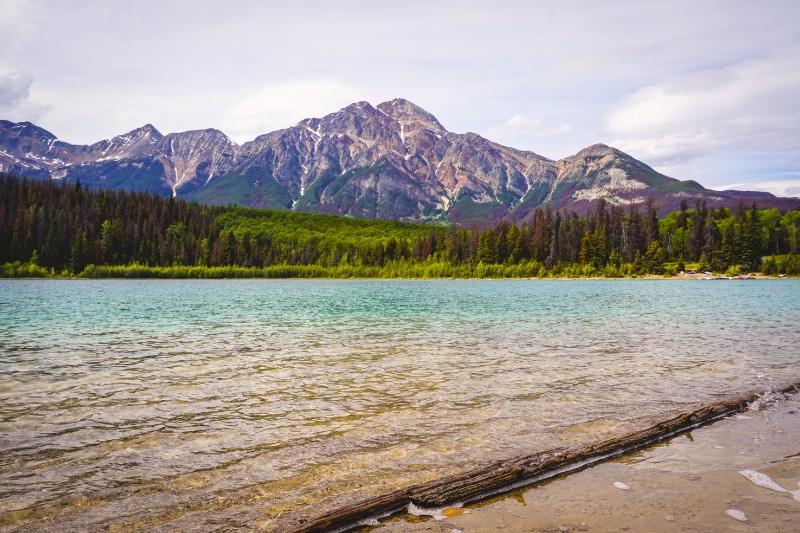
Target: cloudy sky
{"x": 704, "y": 90}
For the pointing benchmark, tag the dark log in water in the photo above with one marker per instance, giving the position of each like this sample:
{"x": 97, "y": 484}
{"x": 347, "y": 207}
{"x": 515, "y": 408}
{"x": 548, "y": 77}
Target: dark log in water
{"x": 513, "y": 473}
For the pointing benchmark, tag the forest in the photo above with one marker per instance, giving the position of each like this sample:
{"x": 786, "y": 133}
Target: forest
{"x": 56, "y": 229}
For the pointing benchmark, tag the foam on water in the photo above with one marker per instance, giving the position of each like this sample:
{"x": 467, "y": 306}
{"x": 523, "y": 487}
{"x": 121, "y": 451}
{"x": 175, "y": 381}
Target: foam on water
{"x": 364, "y": 522}
{"x": 796, "y": 493}
{"x": 770, "y": 397}
{"x": 762, "y": 480}
{"x": 437, "y": 513}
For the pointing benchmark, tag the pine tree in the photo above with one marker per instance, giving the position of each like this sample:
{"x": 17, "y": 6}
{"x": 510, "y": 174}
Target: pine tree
{"x": 487, "y": 247}
{"x": 698, "y": 233}
{"x": 651, "y": 226}
{"x": 703, "y": 266}
{"x": 78, "y": 253}
{"x": 752, "y": 240}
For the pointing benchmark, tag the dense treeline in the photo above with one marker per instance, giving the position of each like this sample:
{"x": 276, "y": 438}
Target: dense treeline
{"x": 67, "y": 229}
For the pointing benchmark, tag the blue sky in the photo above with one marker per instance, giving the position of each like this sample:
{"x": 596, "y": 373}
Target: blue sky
{"x": 704, "y": 90}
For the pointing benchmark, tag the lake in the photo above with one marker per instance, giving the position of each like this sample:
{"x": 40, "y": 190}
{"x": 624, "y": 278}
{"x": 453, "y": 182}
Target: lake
{"x": 254, "y": 403}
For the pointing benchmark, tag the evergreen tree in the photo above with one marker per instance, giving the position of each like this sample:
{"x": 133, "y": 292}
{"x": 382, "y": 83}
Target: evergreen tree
{"x": 75, "y": 228}
{"x": 651, "y": 225}
{"x": 554, "y": 255}
{"x": 769, "y": 267}
{"x": 634, "y": 234}
{"x": 698, "y": 233}
{"x": 78, "y": 252}
{"x": 487, "y": 248}
{"x": 725, "y": 255}
{"x": 704, "y": 266}
{"x": 752, "y": 239}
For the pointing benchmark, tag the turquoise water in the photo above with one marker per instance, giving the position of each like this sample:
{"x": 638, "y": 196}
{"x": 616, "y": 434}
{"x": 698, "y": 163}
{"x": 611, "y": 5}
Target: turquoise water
{"x": 250, "y": 404}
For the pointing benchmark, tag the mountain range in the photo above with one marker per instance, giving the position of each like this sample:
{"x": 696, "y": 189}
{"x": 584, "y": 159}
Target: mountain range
{"x": 391, "y": 161}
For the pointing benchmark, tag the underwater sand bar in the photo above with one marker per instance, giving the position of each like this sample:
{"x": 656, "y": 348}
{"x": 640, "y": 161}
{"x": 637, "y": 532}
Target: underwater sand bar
{"x": 521, "y": 471}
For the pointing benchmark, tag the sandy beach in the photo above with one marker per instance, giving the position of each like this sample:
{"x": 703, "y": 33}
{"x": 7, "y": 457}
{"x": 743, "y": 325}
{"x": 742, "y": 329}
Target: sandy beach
{"x": 689, "y": 483}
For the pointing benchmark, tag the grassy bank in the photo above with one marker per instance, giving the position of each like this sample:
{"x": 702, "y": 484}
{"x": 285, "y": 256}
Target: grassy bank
{"x": 390, "y": 270}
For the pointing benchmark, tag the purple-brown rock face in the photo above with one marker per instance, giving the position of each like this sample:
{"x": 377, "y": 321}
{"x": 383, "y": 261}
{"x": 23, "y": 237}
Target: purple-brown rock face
{"x": 393, "y": 161}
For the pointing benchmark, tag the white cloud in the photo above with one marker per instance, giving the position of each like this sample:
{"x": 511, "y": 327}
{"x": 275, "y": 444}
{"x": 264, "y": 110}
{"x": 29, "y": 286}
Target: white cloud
{"x": 280, "y": 105}
{"x": 555, "y": 131}
{"x": 15, "y": 23}
{"x": 521, "y": 130}
{"x": 751, "y": 105}
{"x": 542, "y": 79}
{"x": 14, "y": 89}
{"x": 776, "y": 187}
{"x": 519, "y": 123}
{"x": 15, "y": 103}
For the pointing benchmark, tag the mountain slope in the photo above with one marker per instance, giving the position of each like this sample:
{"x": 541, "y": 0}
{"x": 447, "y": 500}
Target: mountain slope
{"x": 393, "y": 161}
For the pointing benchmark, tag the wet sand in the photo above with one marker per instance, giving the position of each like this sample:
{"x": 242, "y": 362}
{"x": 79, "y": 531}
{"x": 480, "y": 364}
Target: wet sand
{"x": 685, "y": 484}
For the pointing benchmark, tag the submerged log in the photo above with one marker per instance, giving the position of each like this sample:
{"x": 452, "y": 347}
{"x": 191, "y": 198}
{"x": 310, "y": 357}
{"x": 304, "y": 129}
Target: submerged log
{"x": 502, "y": 476}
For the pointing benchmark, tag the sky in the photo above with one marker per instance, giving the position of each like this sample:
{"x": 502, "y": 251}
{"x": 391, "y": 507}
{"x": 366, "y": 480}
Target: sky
{"x": 703, "y": 90}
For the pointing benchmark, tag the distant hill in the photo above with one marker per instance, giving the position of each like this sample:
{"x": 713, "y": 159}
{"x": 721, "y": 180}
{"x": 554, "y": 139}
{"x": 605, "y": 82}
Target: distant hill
{"x": 393, "y": 161}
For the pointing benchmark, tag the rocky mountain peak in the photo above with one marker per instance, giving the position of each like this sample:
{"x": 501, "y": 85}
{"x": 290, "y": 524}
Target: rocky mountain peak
{"x": 410, "y": 115}
{"x": 391, "y": 161}
{"x": 202, "y": 144}
{"x": 597, "y": 151}
{"x": 356, "y": 119}
{"x": 601, "y": 155}
{"x": 23, "y": 140}
{"x": 360, "y": 108}
{"x": 25, "y": 129}
{"x": 138, "y": 142}
{"x": 604, "y": 155}
{"x": 27, "y": 148}
{"x": 149, "y": 130}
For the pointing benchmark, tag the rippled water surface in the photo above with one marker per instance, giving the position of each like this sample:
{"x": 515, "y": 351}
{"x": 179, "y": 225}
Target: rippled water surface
{"x": 222, "y": 404}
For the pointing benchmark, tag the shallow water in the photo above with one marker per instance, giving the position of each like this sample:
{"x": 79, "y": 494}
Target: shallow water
{"x": 224, "y": 404}
{"x": 693, "y": 482}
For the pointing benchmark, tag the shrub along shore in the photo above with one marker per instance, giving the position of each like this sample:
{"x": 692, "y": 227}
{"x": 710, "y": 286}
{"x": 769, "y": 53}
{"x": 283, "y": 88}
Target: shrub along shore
{"x": 388, "y": 271}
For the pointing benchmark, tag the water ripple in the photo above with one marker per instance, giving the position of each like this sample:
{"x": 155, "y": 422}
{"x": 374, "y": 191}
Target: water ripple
{"x": 230, "y": 404}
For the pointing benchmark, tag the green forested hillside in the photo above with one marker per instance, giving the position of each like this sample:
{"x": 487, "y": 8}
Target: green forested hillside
{"x": 49, "y": 228}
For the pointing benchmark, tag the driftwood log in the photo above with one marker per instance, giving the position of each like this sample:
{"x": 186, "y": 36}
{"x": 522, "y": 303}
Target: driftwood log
{"x": 513, "y": 473}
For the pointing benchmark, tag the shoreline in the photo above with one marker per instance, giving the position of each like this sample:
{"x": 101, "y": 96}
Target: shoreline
{"x": 644, "y": 277}
{"x": 690, "y": 482}
{"x": 518, "y": 473}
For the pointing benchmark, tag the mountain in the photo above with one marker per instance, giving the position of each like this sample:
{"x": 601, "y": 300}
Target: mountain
{"x": 393, "y": 161}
